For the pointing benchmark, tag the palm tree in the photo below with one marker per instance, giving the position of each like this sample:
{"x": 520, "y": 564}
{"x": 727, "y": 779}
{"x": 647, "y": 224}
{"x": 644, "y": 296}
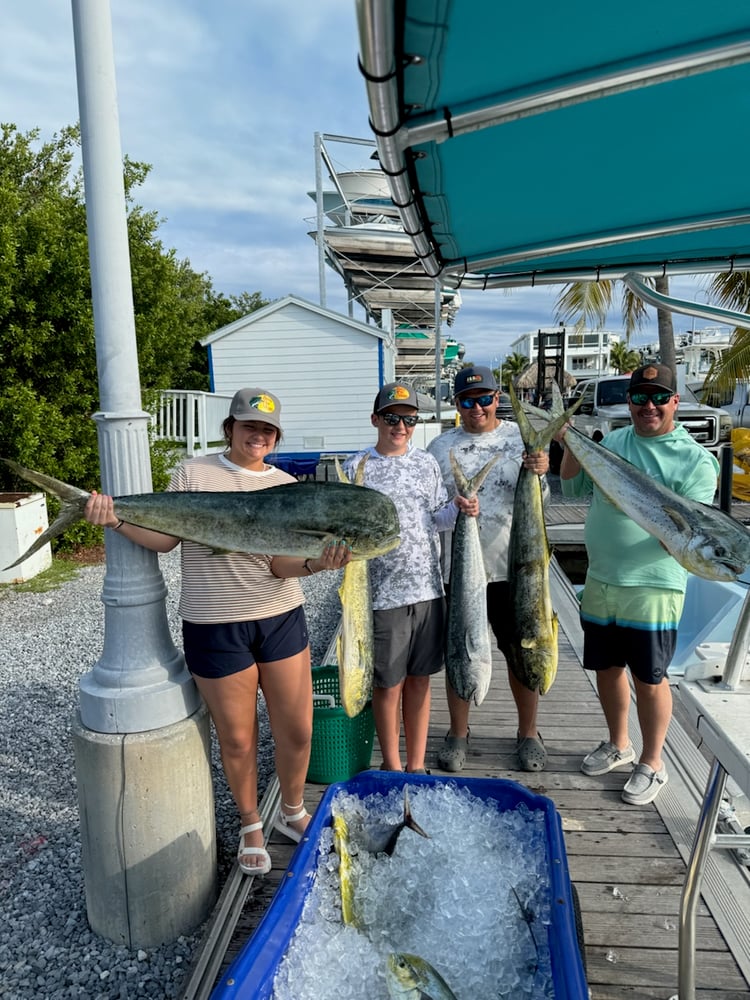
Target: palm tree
{"x": 513, "y": 365}
{"x": 588, "y": 302}
{"x": 732, "y": 290}
{"x": 623, "y": 358}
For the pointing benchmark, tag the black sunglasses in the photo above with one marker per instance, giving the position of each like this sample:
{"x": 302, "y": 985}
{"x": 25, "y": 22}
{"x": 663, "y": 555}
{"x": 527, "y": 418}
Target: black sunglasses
{"x": 394, "y": 419}
{"x": 469, "y": 402}
{"x": 657, "y": 398}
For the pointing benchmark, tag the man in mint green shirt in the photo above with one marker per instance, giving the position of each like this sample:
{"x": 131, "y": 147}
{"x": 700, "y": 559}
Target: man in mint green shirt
{"x": 634, "y": 591}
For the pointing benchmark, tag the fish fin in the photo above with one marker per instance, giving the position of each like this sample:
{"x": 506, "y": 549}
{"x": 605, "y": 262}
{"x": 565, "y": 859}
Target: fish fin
{"x": 72, "y": 502}
{"x": 359, "y": 475}
{"x": 339, "y": 471}
{"x": 459, "y": 476}
{"x": 557, "y": 400}
{"x": 468, "y": 487}
{"x": 538, "y": 440}
{"x": 409, "y": 819}
{"x": 527, "y": 643}
{"x": 676, "y": 517}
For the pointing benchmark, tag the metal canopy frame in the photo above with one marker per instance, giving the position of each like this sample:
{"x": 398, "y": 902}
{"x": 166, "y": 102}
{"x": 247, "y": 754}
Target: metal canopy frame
{"x": 426, "y": 116}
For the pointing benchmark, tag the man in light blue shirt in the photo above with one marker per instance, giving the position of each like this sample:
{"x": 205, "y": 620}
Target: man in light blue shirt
{"x": 634, "y": 591}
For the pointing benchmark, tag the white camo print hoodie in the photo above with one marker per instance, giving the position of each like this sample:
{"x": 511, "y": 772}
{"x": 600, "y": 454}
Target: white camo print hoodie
{"x": 496, "y": 494}
{"x": 410, "y": 573}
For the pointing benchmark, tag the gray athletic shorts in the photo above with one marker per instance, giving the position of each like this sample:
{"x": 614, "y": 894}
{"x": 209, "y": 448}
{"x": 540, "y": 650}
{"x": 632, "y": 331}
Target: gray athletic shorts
{"x": 409, "y": 642}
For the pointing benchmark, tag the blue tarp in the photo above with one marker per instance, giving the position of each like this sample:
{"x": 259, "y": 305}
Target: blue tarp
{"x": 297, "y": 463}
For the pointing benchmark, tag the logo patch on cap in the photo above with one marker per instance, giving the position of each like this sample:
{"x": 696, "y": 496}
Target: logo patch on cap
{"x": 473, "y": 378}
{"x": 398, "y": 392}
{"x": 650, "y": 373}
{"x": 263, "y": 403}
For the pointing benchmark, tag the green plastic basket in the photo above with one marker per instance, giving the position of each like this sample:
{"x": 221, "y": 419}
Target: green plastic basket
{"x": 341, "y": 747}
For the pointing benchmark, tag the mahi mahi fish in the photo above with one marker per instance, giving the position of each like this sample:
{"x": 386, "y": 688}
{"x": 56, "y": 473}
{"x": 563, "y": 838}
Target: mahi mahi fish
{"x": 355, "y": 643}
{"x": 409, "y": 977}
{"x": 533, "y": 651}
{"x": 350, "y": 837}
{"x": 704, "y": 540}
{"x": 294, "y": 519}
{"x": 468, "y": 650}
{"x": 349, "y": 914}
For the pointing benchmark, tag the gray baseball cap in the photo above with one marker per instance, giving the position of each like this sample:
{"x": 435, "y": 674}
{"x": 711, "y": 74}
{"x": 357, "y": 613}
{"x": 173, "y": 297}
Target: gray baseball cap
{"x": 256, "y": 404}
{"x": 393, "y": 394}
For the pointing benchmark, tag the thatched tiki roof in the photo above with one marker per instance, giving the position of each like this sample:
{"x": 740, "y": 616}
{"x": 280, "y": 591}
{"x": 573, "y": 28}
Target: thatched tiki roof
{"x": 527, "y": 378}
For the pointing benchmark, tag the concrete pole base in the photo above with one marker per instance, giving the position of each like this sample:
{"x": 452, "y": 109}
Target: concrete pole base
{"x": 148, "y": 832}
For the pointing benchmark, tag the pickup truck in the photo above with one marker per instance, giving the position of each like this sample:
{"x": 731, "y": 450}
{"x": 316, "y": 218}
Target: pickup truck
{"x": 604, "y": 407}
{"x": 736, "y": 404}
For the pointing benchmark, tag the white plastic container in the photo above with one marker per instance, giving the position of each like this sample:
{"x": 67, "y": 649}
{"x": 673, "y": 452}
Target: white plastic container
{"x": 23, "y": 518}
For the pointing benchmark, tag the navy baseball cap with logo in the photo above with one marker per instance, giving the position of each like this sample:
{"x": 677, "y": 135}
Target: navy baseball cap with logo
{"x": 474, "y": 377}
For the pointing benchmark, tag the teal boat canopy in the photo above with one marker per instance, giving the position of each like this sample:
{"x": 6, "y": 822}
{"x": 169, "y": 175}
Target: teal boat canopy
{"x": 551, "y": 142}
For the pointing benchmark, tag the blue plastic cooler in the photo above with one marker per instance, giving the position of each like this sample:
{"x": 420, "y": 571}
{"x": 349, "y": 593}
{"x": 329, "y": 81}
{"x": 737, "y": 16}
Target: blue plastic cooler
{"x": 251, "y": 975}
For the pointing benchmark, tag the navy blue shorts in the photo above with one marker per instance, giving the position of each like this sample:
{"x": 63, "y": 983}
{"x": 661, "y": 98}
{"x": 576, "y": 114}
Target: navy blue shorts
{"x": 648, "y": 654}
{"x": 226, "y": 648}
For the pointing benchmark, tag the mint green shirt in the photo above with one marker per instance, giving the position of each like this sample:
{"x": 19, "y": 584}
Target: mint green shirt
{"x": 619, "y": 551}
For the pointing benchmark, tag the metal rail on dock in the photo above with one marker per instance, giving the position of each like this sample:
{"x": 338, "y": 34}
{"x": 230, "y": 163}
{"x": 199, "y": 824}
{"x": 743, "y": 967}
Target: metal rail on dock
{"x": 227, "y": 913}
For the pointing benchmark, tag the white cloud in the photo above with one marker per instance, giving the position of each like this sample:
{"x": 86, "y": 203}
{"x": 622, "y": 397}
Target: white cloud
{"x": 223, "y": 99}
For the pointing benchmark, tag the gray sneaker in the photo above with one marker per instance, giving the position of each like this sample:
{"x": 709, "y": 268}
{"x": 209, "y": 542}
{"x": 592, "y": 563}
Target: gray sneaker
{"x": 644, "y": 784}
{"x": 606, "y": 758}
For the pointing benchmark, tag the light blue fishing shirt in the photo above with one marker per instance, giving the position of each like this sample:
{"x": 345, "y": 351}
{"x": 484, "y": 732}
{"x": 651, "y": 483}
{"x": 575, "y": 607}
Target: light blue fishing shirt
{"x": 619, "y": 551}
{"x": 410, "y": 573}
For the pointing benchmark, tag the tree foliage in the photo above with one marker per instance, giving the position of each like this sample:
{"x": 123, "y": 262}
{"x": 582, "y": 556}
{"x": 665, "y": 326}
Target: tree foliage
{"x": 623, "y": 358}
{"x": 512, "y": 367}
{"x": 732, "y": 291}
{"x": 588, "y": 302}
{"x": 48, "y": 372}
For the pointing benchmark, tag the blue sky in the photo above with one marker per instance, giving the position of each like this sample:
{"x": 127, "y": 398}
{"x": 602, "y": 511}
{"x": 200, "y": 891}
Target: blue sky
{"x": 223, "y": 98}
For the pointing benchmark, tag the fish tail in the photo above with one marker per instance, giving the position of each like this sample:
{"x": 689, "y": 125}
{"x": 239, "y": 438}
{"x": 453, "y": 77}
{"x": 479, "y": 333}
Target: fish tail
{"x": 409, "y": 819}
{"x": 339, "y": 471}
{"x": 72, "y": 502}
{"x": 538, "y": 440}
{"x": 468, "y": 487}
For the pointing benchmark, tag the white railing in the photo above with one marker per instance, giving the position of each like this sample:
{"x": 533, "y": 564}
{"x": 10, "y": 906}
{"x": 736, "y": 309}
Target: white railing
{"x": 192, "y": 419}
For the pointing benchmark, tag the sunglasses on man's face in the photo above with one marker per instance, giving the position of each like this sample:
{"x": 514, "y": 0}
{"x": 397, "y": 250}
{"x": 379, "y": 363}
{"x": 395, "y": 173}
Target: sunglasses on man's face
{"x": 469, "y": 402}
{"x": 657, "y": 398}
{"x": 394, "y": 419}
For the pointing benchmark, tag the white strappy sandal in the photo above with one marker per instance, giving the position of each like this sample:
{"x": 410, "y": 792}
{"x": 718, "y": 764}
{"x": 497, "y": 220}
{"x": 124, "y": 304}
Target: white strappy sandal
{"x": 283, "y": 821}
{"x": 262, "y": 864}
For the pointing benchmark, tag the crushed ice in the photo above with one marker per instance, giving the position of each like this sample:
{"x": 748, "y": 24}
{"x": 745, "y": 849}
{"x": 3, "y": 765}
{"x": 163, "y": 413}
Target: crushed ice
{"x": 473, "y": 901}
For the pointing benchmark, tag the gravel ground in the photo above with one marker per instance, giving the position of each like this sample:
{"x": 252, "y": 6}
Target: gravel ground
{"x": 47, "y": 951}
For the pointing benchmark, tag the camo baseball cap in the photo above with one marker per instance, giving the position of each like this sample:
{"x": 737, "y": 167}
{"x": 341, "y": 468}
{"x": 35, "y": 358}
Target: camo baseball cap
{"x": 256, "y": 404}
{"x": 657, "y": 376}
{"x": 394, "y": 394}
{"x": 474, "y": 377}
